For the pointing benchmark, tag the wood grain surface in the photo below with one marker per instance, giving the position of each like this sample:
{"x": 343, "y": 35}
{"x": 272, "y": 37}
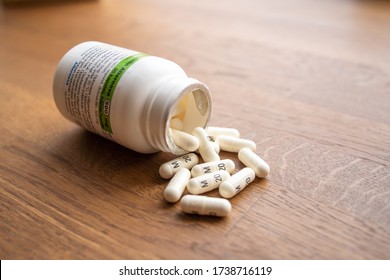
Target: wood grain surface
{"x": 308, "y": 81}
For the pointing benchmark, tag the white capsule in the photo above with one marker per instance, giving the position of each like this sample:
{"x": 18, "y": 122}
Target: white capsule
{"x": 168, "y": 169}
{"x": 177, "y": 185}
{"x": 250, "y": 159}
{"x": 185, "y": 140}
{"x": 204, "y": 205}
{"x": 215, "y": 146}
{"x": 209, "y": 167}
{"x": 206, "y": 150}
{"x": 213, "y": 132}
{"x": 233, "y": 144}
{"x": 236, "y": 182}
{"x": 207, "y": 182}
{"x": 176, "y": 123}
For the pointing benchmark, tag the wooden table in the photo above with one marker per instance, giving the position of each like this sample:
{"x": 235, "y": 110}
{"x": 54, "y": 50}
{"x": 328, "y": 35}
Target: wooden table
{"x": 308, "y": 81}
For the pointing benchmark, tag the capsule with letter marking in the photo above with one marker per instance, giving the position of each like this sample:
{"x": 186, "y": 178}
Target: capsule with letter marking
{"x": 168, "y": 169}
{"x": 252, "y": 160}
{"x": 233, "y": 144}
{"x": 204, "y": 205}
{"x": 237, "y": 182}
{"x": 208, "y": 167}
{"x": 207, "y": 182}
{"x": 177, "y": 185}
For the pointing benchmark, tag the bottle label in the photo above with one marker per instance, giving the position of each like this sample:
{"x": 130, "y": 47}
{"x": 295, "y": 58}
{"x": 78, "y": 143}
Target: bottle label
{"x": 108, "y": 89}
{"x": 91, "y": 83}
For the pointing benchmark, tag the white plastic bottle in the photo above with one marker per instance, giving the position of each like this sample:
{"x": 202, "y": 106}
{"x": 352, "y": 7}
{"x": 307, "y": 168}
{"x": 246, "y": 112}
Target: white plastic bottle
{"x": 129, "y": 97}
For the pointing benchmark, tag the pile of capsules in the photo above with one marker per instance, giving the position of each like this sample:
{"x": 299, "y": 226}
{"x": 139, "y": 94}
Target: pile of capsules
{"x": 184, "y": 172}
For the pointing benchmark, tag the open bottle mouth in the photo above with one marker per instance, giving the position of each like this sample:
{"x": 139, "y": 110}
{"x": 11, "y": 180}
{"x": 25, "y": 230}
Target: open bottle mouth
{"x": 192, "y": 109}
{"x": 176, "y": 98}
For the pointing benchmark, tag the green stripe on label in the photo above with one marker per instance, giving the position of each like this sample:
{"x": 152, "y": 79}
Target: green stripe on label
{"x": 109, "y": 88}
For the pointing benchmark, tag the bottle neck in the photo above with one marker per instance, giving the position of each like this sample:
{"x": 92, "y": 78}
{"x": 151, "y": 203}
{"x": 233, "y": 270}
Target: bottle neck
{"x": 195, "y": 101}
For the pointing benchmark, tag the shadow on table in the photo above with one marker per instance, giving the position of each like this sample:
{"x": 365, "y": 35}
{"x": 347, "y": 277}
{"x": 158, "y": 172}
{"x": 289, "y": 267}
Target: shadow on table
{"x": 95, "y": 158}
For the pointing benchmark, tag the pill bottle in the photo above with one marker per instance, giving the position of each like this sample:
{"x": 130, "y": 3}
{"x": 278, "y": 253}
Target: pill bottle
{"x": 129, "y": 97}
